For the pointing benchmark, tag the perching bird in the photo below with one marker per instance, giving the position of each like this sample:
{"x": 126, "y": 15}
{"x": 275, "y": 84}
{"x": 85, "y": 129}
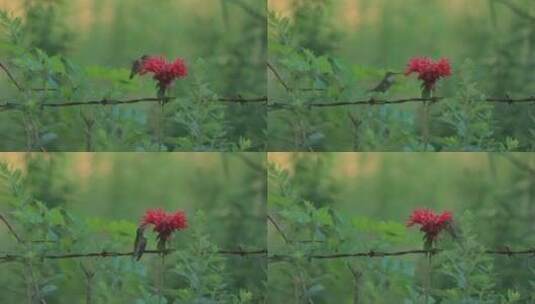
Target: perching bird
{"x": 136, "y": 65}
{"x": 140, "y": 243}
{"x": 454, "y": 230}
{"x": 386, "y": 83}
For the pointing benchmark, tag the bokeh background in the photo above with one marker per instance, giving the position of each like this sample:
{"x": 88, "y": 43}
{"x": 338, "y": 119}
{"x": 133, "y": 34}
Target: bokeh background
{"x": 370, "y": 37}
{"x": 228, "y": 36}
{"x": 108, "y": 193}
{"x": 376, "y": 193}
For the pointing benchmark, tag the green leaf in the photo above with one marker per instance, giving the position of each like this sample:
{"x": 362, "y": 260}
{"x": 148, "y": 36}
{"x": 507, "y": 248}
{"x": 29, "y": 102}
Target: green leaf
{"x": 56, "y": 217}
{"x": 323, "y": 65}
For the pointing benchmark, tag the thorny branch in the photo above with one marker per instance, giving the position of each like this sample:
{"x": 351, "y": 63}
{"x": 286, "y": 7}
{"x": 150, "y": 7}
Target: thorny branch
{"x": 380, "y": 254}
{"x": 108, "y": 254}
{"x": 103, "y": 254}
{"x": 375, "y": 102}
{"x": 105, "y": 101}
{"x": 109, "y": 102}
{"x": 377, "y": 254}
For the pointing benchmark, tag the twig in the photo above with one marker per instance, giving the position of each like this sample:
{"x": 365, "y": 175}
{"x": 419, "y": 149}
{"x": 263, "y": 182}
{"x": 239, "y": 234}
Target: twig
{"x": 249, "y": 10}
{"x": 286, "y": 239}
{"x": 17, "y": 237}
{"x": 379, "y": 254}
{"x": 161, "y": 278}
{"x": 276, "y": 225}
{"x": 357, "y": 277}
{"x": 519, "y": 164}
{"x": 108, "y": 254}
{"x": 8, "y": 73}
{"x": 16, "y": 83}
{"x": 89, "y": 275}
{"x": 240, "y": 99}
{"x": 376, "y": 102}
{"x": 285, "y": 85}
{"x": 109, "y": 102}
{"x": 249, "y": 162}
{"x": 517, "y": 10}
{"x": 10, "y": 228}
{"x": 278, "y": 76}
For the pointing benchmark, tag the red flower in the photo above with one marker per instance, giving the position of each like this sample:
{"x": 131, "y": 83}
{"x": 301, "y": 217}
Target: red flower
{"x": 165, "y": 223}
{"x": 430, "y": 223}
{"x": 164, "y": 72}
{"x": 428, "y": 70}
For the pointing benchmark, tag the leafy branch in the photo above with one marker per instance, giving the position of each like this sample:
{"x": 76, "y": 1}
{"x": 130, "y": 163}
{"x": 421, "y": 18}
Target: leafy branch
{"x": 372, "y": 101}
{"x": 105, "y": 101}
{"x": 105, "y": 254}
{"x": 378, "y": 254}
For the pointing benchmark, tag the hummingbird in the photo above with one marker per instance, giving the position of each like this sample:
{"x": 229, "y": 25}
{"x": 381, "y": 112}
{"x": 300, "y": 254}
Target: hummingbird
{"x": 386, "y": 83}
{"x": 136, "y": 65}
{"x": 454, "y": 231}
{"x": 140, "y": 243}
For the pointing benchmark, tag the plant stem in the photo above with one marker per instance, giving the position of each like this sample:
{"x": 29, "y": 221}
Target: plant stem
{"x": 425, "y": 124}
{"x": 161, "y": 278}
{"x": 427, "y": 279}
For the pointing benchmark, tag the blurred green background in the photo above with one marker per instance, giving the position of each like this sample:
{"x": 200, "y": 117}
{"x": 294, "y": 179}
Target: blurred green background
{"x": 372, "y": 195}
{"x": 222, "y": 41}
{"x": 365, "y": 38}
{"x": 108, "y": 193}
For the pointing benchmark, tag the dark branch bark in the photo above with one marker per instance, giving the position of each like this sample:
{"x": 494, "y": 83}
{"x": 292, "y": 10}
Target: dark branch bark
{"x": 278, "y": 76}
{"x": 278, "y": 228}
{"x": 377, "y": 102}
{"x": 10, "y": 228}
{"x": 110, "y": 102}
{"x": 379, "y": 254}
{"x": 8, "y": 73}
{"x": 108, "y": 254}
{"x": 285, "y": 85}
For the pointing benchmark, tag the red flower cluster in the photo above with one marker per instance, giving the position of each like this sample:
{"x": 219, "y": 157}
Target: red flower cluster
{"x": 430, "y": 223}
{"x": 165, "y": 223}
{"x": 164, "y": 72}
{"x": 429, "y": 71}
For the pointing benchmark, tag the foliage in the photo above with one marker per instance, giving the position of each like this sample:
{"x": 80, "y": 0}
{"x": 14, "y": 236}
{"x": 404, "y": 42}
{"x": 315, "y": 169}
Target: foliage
{"x": 356, "y": 55}
{"x": 195, "y": 272}
{"x": 49, "y": 66}
{"x": 347, "y": 220}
